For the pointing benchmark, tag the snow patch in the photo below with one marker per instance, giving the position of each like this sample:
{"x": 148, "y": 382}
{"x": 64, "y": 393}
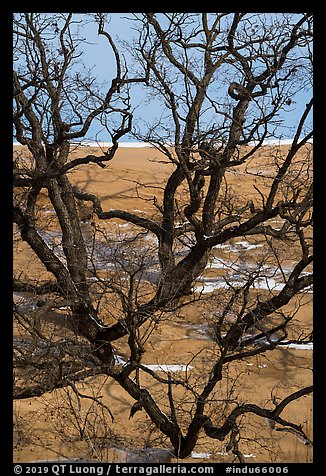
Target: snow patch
{"x": 300, "y": 346}
{"x": 210, "y": 285}
{"x": 200, "y": 455}
{"x": 244, "y": 245}
{"x": 168, "y": 367}
{"x": 158, "y": 367}
{"x": 239, "y": 246}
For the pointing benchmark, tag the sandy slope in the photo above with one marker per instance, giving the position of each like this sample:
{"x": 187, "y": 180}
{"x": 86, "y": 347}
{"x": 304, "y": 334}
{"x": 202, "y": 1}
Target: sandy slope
{"x": 131, "y": 181}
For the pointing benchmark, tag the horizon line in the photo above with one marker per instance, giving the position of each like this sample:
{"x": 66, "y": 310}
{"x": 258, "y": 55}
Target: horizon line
{"x": 140, "y": 144}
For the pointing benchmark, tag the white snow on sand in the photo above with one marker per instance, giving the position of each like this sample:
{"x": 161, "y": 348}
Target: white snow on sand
{"x": 168, "y": 367}
{"x": 196, "y": 455}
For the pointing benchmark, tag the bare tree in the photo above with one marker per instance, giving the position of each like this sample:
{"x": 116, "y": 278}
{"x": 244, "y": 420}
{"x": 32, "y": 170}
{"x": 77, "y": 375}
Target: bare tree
{"x": 223, "y": 80}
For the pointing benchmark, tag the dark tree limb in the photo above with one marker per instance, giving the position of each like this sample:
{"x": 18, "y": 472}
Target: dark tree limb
{"x": 44, "y": 288}
{"x": 274, "y": 415}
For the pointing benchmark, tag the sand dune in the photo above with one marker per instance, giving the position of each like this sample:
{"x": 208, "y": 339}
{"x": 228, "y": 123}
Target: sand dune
{"x": 134, "y": 181}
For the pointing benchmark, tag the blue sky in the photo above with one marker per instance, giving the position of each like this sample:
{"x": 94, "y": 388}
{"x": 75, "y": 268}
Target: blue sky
{"x": 99, "y": 55}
